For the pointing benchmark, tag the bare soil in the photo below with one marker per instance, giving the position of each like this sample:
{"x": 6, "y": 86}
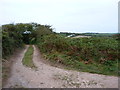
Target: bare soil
{"x": 47, "y": 76}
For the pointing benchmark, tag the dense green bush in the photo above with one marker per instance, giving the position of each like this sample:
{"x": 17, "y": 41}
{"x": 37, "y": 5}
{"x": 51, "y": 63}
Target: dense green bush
{"x": 15, "y": 35}
{"x": 101, "y": 51}
{"x": 86, "y": 48}
{"x": 11, "y": 39}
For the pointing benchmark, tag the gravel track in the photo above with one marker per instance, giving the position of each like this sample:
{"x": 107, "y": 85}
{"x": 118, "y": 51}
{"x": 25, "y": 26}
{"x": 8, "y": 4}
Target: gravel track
{"x": 47, "y": 76}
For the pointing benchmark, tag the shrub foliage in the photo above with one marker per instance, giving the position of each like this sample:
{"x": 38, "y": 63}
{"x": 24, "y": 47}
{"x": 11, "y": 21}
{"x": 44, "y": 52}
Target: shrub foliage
{"x": 16, "y": 35}
{"x": 100, "y": 52}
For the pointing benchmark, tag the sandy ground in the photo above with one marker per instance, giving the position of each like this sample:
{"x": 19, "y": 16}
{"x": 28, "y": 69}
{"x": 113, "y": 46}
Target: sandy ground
{"x": 47, "y": 76}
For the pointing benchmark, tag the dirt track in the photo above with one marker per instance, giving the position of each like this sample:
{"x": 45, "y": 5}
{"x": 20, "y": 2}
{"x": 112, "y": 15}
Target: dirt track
{"x": 47, "y": 76}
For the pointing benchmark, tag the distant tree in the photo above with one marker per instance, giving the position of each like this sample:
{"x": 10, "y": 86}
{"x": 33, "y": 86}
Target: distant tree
{"x": 43, "y": 30}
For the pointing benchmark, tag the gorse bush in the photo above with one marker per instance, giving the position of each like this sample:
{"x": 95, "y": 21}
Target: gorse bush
{"x": 53, "y": 42}
{"x": 86, "y": 48}
{"x": 74, "y": 51}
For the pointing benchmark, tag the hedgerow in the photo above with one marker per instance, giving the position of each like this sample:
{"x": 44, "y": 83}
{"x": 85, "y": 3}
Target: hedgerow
{"x": 11, "y": 39}
{"x": 16, "y": 35}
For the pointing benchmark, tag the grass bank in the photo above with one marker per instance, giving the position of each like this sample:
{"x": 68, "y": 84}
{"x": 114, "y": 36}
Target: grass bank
{"x": 27, "y": 60}
{"x": 95, "y": 54}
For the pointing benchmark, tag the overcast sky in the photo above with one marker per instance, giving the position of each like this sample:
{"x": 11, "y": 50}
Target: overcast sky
{"x": 64, "y": 15}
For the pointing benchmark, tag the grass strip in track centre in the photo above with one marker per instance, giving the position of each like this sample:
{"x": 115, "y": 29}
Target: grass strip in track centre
{"x": 27, "y": 60}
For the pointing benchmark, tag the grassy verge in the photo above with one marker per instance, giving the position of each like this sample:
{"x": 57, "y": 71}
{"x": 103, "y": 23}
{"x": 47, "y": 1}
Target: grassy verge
{"x": 27, "y": 60}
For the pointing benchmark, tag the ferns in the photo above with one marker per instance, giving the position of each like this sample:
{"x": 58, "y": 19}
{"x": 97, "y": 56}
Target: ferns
{"x": 93, "y": 48}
